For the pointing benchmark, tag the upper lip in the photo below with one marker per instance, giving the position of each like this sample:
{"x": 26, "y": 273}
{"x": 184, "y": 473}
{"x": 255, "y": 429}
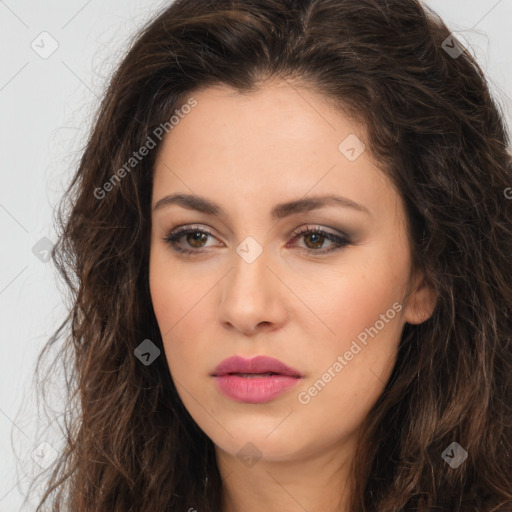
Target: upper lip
{"x": 258, "y": 364}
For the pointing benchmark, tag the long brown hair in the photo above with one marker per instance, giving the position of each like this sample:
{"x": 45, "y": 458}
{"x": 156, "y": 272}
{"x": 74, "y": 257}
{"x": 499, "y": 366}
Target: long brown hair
{"x": 433, "y": 127}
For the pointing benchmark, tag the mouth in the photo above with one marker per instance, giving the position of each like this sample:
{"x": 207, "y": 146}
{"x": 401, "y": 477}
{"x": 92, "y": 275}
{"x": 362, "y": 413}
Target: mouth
{"x": 251, "y": 375}
{"x": 259, "y": 366}
{"x": 254, "y": 381}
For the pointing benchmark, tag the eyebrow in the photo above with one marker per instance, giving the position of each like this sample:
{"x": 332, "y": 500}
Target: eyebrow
{"x": 203, "y": 205}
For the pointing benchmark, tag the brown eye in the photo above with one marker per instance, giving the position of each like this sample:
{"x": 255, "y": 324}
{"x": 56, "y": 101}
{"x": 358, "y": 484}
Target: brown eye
{"x": 314, "y": 239}
{"x": 196, "y": 238}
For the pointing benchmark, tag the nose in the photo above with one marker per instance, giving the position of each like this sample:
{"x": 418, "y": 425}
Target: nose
{"x": 253, "y": 296}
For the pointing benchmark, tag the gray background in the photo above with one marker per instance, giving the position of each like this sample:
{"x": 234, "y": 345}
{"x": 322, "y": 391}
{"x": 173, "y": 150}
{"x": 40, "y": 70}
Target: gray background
{"x": 46, "y": 103}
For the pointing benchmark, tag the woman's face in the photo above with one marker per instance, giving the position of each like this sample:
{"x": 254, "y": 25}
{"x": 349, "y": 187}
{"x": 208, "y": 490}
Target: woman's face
{"x": 254, "y": 174}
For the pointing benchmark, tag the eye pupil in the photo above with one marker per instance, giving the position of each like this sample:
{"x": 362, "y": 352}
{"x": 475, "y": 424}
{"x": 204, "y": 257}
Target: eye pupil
{"x": 197, "y": 237}
{"x": 319, "y": 239}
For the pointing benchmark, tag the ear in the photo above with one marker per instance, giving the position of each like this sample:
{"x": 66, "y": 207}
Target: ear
{"x": 421, "y": 301}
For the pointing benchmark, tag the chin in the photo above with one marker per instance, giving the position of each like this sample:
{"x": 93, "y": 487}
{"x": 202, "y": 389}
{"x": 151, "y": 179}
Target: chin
{"x": 255, "y": 445}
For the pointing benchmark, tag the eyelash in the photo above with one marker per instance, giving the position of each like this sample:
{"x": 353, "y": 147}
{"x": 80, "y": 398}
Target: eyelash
{"x": 173, "y": 237}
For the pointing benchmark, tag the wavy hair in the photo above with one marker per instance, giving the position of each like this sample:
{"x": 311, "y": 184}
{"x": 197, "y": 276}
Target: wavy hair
{"x": 437, "y": 132}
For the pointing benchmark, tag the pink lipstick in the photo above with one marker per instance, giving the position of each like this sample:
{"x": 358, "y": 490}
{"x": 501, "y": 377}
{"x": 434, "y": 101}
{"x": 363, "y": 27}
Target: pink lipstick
{"x": 254, "y": 381}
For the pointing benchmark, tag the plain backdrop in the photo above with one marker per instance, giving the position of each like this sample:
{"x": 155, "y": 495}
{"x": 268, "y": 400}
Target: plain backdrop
{"x": 55, "y": 59}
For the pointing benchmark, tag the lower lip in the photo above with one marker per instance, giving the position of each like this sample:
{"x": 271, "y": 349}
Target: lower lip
{"x": 255, "y": 390}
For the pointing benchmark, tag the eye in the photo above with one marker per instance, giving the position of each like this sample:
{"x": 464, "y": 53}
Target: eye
{"x": 315, "y": 237}
{"x": 196, "y": 238}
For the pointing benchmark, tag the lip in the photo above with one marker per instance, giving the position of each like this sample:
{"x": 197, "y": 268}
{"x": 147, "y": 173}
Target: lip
{"x": 236, "y": 378}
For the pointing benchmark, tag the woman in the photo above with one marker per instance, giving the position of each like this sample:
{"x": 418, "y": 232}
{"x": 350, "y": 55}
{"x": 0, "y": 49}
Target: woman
{"x": 289, "y": 246}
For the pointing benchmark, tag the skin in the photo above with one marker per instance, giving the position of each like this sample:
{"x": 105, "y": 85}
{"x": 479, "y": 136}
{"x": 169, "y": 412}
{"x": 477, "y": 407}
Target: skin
{"x": 247, "y": 154}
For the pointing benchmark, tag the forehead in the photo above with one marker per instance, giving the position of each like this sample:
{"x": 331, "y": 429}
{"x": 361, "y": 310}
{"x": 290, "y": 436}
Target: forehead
{"x": 280, "y": 142}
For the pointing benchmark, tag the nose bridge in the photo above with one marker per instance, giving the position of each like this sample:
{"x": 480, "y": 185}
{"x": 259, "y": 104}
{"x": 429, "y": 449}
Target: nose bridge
{"x": 250, "y": 273}
{"x": 250, "y": 293}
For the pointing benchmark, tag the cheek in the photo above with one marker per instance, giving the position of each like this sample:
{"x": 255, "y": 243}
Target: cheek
{"x": 180, "y": 301}
{"x": 360, "y": 303}
{"x": 353, "y": 363}
{"x": 354, "y": 296}
{"x": 172, "y": 299}
{"x": 175, "y": 293}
